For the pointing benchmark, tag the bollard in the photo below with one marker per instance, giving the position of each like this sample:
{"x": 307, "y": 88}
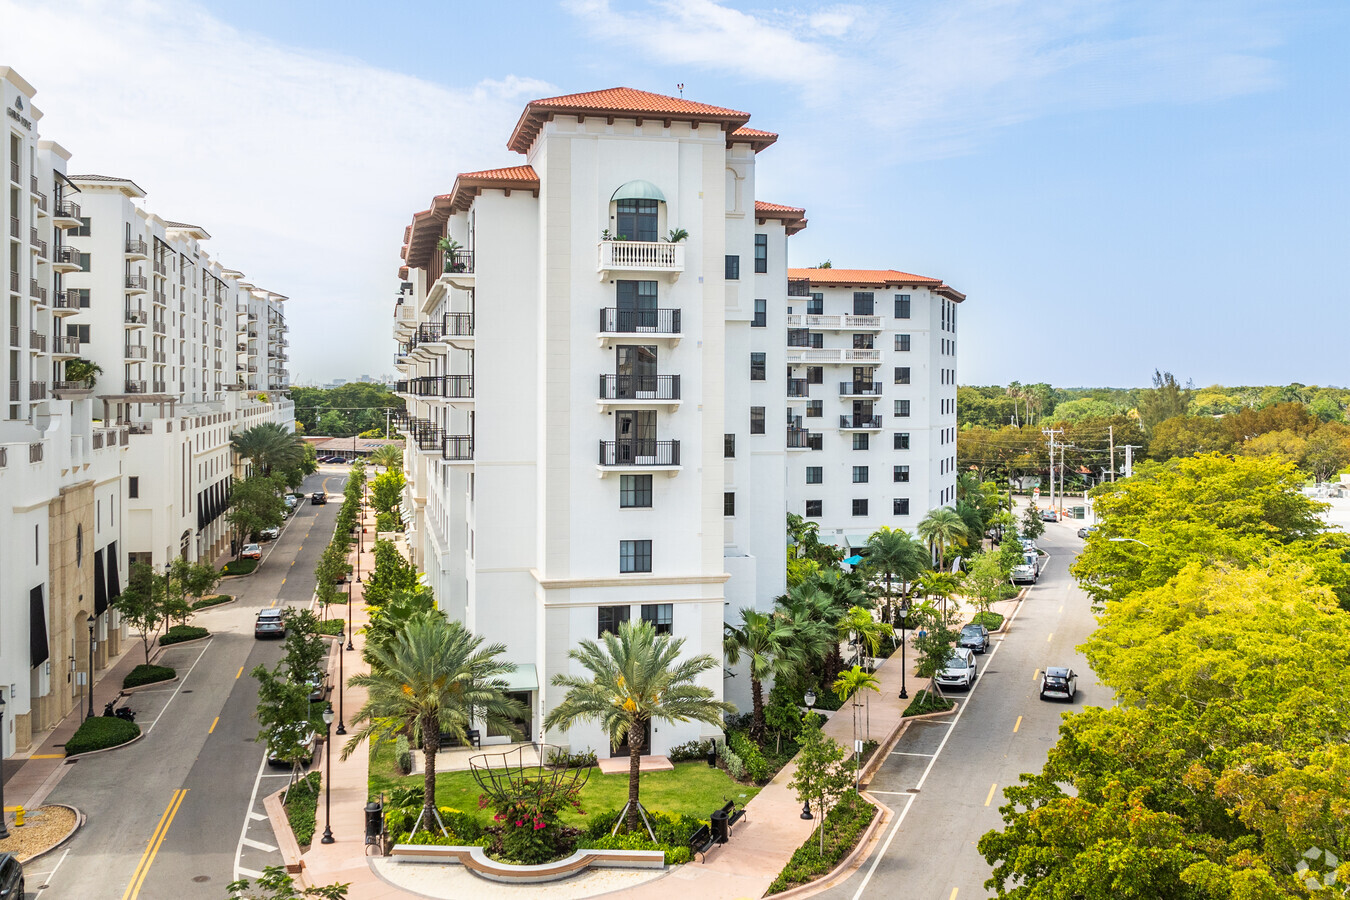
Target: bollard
{"x": 18, "y": 815}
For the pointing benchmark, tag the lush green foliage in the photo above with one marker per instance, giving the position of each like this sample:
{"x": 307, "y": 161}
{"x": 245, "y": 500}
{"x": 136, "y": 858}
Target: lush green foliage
{"x": 255, "y": 504}
{"x": 844, "y": 826}
{"x": 766, "y": 643}
{"x": 386, "y": 491}
{"x": 302, "y": 803}
{"x": 208, "y": 602}
{"x": 239, "y": 567}
{"x": 345, "y": 410}
{"x": 393, "y": 574}
{"x": 275, "y": 884}
{"x": 757, "y": 768}
{"x": 675, "y": 854}
{"x": 100, "y": 733}
{"x": 142, "y": 605}
{"x": 147, "y": 674}
{"x": 177, "y": 634}
{"x": 925, "y": 702}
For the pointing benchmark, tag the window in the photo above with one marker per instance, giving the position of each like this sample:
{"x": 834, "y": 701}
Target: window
{"x": 635, "y": 556}
{"x": 902, "y": 342}
{"x": 861, "y": 440}
{"x": 900, "y": 506}
{"x": 863, "y": 304}
{"x": 610, "y": 617}
{"x": 83, "y": 230}
{"x": 761, "y": 253}
{"x": 816, "y": 340}
{"x": 728, "y": 503}
{"x": 756, "y": 420}
{"x": 134, "y": 487}
{"x": 728, "y": 446}
{"x": 816, "y": 305}
{"x": 84, "y": 261}
{"x": 902, "y": 374}
{"x": 637, "y": 220}
{"x": 860, "y": 507}
{"x": 659, "y": 615}
{"x": 635, "y": 491}
{"x": 83, "y": 294}
{"x": 815, "y": 409}
{"x": 813, "y": 508}
{"x": 756, "y": 366}
{"x": 901, "y": 440}
{"x": 902, "y": 306}
{"x": 815, "y": 374}
{"x": 815, "y": 475}
{"x": 860, "y": 474}
{"x": 902, "y": 409}
{"x": 901, "y": 473}
{"x": 78, "y": 331}
{"x": 761, "y": 319}
{"x": 733, "y": 267}
{"x": 863, "y": 342}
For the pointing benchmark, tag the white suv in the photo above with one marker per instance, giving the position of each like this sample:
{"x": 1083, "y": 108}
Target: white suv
{"x": 960, "y": 669}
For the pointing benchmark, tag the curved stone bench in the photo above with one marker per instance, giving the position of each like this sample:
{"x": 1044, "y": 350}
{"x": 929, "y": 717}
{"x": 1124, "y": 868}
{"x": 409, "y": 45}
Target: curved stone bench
{"x": 477, "y": 862}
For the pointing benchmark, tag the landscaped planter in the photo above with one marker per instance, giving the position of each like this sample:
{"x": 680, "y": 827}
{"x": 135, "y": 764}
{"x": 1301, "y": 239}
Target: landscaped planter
{"x": 477, "y": 861}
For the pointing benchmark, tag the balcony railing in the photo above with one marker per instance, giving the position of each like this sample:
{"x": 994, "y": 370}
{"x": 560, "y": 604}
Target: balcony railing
{"x": 639, "y": 387}
{"x": 135, "y": 317}
{"x": 160, "y": 357}
{"x": 14, "y": 392}
{"x": 860, "y": 422}
{"x": 158, "y": 387}
{"x": 135, "y": 387}
{"x": 35, "y": 452}
{"x": 58, "y": 386}
{"x": 457, "y": 447}
{"x": 798, "y": 387}
{"x": 65, "y": 344}
{"x": 67, "y": 255}
{"x": 135, "y": 283}
{"x": 67, "y": 299}
{"x": 37, "y": 242}
{"x": 798, "y": 438}
{"x": 639, "y": 452}
{"x": 15, "y": 229}
{"x": 454, "y": 387}
{"x": 798, "y": 337}
{"x": 37, "y": 341}
{"x": 159, "y": 326}
{"x": 459, "y": 262}
{"x": 640, "y": 321}
{"x": 860, "y": 388}
{"x": 458, "y": 325}
{"x": 137, "y": 247}
{"x": 429, "y": 332}
{"x": 37, "y": 390}
{"x": 14, "y": 332}
{"x": 67, "y": 209}
{"x": 135, "y": 351}
{"x": 161, "y": 267}
{"x": 799, "y": 287}
{"x": 15, "y": 175}
{"x": 835, "y": 355}
{"x": 37, "y": 292}
{"x": 640, "y": 256}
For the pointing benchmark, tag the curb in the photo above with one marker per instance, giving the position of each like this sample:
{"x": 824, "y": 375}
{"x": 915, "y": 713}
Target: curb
{"x": 202, "y": 609}
{"x": 152, "y": 684}
{"x": 205, "y": 637}
{"x": 80, "y": 819}
{"x": 848, "y": 863}
{"x": 281, "y": 829}
{"x": 956, "y": 704}
{"x": 103, "y": 750}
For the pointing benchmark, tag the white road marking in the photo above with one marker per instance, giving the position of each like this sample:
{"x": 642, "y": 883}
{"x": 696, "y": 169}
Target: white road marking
{"x": 259, "y": 845}
{"x": 182, "y": 681}
{"x": 47, "y": 879}
{"x": 257, "y": 817}
{"x": 243, "y": 831}
{"x": 241, "y": 872}
{"x": 903, "y": 753}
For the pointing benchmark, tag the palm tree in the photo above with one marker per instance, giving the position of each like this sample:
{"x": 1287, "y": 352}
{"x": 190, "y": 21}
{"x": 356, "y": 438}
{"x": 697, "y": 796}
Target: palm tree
{"x": 939, "y": 586}
{"x": 941, "y": 529}
{"x": 808, "y": 612}
{"x": 433, "y": 677}
{"x": 81, "y": 369}
{"x": 767, "y": 641}
{"x": 859, "y": 622}
{"x": 637, "y": 677}
{"x": 892, "y": 553}
{"x": 388, "y": 456}
{"x": 847, "y": 685}
{"x": 269, "y": 447}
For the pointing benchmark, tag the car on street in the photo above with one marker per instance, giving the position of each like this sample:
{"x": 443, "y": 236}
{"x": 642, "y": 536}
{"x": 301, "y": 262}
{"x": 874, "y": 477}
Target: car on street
{"x": 1049, "y": 515}
{"x": 1028, "y": 545}
{"x": 1028, "y": 571}
{"x": 318, "y": 687}
{"x": 974, "y": 637}
{"x": 11, "y": 877}
{"x": 1059, "y": 681}
{"x": 959, "y": 670}
{"x": 251, "y": 551}
{"x": 270, "y": 534}
{"x": 296, "y": 736}
{"x": 270, "y": 623}
{"x": 318, "y": 498}
{"x": 1086, "y": 530}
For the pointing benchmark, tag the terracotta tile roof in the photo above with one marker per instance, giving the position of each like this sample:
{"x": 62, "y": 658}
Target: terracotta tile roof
{"x": 752, "y": 136}
{"x": 793, "y": 217}
{"x": 618, "y": 102}
{"x": 429, "y": 224}
{"x": 863, "y": 277}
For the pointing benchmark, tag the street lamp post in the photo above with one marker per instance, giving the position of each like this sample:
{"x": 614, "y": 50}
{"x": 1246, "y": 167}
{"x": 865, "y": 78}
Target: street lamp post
{"x": 4, "y": 832}
{"x": 342, "y": 679}
{"x": 328, "y": 777}
{"x": 350, "y": 645}
{"x": 901, "y": 614}
{"x": 810, "y": 699}
{"x": 90, "y": 675}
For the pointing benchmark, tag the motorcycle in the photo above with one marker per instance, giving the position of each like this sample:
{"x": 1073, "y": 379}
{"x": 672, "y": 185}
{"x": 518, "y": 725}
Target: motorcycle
{"x": 121, "y": 713}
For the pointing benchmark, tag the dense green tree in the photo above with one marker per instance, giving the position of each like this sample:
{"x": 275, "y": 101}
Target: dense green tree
{"x": 766, "y": 643}
{"x": 1166, "y": 400}
{"x": 893, "y": 555}
{"x": 392, "y": 574}
{"x": 1189, "y": 435}
{"x": 387, "y": 456}
{"x": 143, "y": 604}
{"x": 386, "y": 491}
{"x": 255, "y": 504}
{"x": 1326, "y": 452}
{"x": 269, "y": 447}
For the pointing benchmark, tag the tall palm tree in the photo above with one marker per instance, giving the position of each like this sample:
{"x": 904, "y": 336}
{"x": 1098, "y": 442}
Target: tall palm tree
{"x": 892, "y": 554}
{"x": 270, "y": 447}
{"x": 846, "y": 687}
{"x": 387, "y": 456}
{"x": 767, "y": 642}
{"x": 637, "y": 677}
{"x": 433, "y": 677}
{"x": 808, "y": 611}
{"x": 941, "y": 529}
{"x": 939, "y": 586}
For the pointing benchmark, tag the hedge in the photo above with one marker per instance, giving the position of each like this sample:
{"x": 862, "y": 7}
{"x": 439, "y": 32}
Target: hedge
{"x": 100, "y": 733}
{"x": 180, "y": 633}
{"x": 143, "y": 675}
{"x": 331, "y": 626}
{"x": 844, "y": 825}
{"x": 239, "y": 567}
{"x": 302, "y": 804}
{"x": 991, "y": 620}
{"x": 212, "y": 601}
{"x": 926, "y": 701}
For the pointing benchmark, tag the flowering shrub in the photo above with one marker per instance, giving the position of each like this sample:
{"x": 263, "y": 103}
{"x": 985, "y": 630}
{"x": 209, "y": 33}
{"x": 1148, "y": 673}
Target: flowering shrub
{"x": 528, "y": 822}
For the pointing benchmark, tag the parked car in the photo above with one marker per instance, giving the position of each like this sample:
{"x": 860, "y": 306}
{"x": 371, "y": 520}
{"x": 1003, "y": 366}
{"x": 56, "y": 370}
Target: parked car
{"x": 1049, "y": 515}
{"x": 1059, "y": 681}
{"x": 318, "y": 498}
{"x": 1086, "y": 530}
{"x": 318, "y": 687}
{"x": 974, "y": 637}
{"x": 251, "y": 551}
{"x": 1028, "y": 545}
{"x": 270, "y": 534}
{"x": 1028, "y": 571}
{"x": 960, "y": 669}
{"x": 270, "y": 623}
{"x": 276, "y": 756}
{"x": 11, "y": 877}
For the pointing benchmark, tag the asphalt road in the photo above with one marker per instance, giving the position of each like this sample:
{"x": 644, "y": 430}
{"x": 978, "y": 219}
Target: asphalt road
{"x": 177, "y": 815}
{"x": 945, "y": 779}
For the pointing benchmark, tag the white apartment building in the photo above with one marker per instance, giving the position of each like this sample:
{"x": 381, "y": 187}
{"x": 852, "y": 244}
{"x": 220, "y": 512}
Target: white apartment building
{"x": 591, "y": 443}
{"x": 136, "y": 465}
{"x": 872, "y": 389}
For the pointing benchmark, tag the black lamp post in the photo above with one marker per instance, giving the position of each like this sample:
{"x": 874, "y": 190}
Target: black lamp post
{"x": 342, "y": 678}
{"x": 350, "y": 645}
{"x": 901, "y": 614}
{"x": 4, "y": 832}
{"x": 328, "y": 777}
{"x": 810, "y": 699}
{"x": 91, "y": 668}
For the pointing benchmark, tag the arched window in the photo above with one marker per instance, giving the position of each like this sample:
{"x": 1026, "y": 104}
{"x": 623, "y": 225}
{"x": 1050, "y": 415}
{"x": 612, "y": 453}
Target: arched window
{"x": 637, "y": 211}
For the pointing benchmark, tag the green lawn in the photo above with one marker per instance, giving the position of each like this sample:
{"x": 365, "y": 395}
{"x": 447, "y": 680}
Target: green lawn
{"x": 693, "y": 788}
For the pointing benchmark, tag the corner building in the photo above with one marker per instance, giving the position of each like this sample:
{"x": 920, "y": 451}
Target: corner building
{"x": 590, "y": 443}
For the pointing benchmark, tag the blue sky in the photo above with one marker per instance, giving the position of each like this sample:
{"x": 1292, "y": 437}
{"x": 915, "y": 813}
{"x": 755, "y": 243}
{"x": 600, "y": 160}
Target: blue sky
{"x": 1117, "y": 186}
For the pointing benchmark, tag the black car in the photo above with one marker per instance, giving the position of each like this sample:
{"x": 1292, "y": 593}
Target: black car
{"x": 974, "y": 637}
{"x": 318, "y": 498}
{"x": 11, "y": 877}
{"x": 1059, "y": 681}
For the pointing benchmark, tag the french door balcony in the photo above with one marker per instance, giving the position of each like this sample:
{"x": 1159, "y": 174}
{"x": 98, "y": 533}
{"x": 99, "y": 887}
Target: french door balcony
{"x": 640, "y": 388}
{"x": 860, "y": 389}
{"x": 639, "y": 453}
{"x": 860, "y": 423}
{"x": 658, "y": 323}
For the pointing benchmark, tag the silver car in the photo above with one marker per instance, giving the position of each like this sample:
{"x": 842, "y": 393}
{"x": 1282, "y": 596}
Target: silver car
{"x": 960, "y": 669}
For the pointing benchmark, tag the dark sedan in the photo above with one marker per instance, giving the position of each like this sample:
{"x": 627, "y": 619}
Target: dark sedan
{"x": 1059, "y": 681}
{"x": 974, "y": 637}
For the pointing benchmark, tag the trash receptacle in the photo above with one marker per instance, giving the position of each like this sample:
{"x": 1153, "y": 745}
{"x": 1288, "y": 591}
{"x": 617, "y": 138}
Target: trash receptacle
{"x": 374, "y": 822}
{"x": 721, "y": 827}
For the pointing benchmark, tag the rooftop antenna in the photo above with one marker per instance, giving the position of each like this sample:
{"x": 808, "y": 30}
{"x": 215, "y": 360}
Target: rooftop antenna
{"x": 680, "y": 87}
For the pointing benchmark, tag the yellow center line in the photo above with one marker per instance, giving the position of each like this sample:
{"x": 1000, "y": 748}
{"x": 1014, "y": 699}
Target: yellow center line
{"x": 1036, "y": 674}
{"x": 990, "y": 798}
{"x": 47, "y": 756}
{"x": 283, "y": 581}
{"x": 953, "y": 896}
{"x": 273, "y": 603}
{"x": 152, "y": 847}
{"x": 241, "y": 672}
{"x": 212, "y": 729}
{"x": 1049, "y": 636}
{"x": 1016, "y": 725}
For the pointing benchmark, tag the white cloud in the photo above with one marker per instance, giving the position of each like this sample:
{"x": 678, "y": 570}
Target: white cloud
{"x": 304, "y": 167}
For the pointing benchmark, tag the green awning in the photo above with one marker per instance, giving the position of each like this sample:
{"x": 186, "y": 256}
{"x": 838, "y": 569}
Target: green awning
{"x": 638, "y": 190}
{"x": 857, "y": 541}
{"x": 523, "y": 678}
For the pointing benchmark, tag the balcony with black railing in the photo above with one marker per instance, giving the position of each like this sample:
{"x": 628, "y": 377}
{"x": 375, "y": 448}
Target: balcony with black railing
{"x": 135, "y": 387}
{"x": 799, "y": 287}
{"x": 136, "y": 317}
{"x": 66, "y": 258}
{"x": 860, "y": 388}
{"x": 639, "y": 453}
{"x": 134, "y": 351}
{"x": 457, "y": 329}
{"x": 860, "y": 423}
{"x": 798, "y": 439}
{"x": 459, "y": 262}
{"x": 66, "y": 213}
{"x": 640, "y": 388}
{"x": 136, "y": 284}
{"x": 137, "y": 248}
{"x": 640, "y": 321}
{"x": 798, "y": 337}
{"x": 457, "y": 448}
{"x": 798, "y": 387}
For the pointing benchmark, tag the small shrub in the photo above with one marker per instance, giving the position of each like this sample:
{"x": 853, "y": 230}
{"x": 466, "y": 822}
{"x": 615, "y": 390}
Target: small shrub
{"x": 692, "y": 750}
{"x": 757, "y": 768}
{"x": 844, "y": 825}
{"x": 331, "y": 626}
{"x": 239, "y": 567}
{"x": 561, "y": 759}
{"x": 211, "y": 601}
{"x": 927, "y": 702}
{"x": 675, "y": 855}
{"x": 991, "y": 620}
{"x": 100, "y": 733}
{"x": 302, "y": 802}
{"x": 403, "y": 755}
{"x": 389, "y": 521}
{"x": 735, "y": 767}
{"x": 180, "y": 633}
{"x": 144, "y": 674}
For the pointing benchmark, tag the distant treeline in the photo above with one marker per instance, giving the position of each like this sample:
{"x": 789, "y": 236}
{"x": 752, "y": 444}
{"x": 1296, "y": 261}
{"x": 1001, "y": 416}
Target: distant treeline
{"x": 343, "y": 411}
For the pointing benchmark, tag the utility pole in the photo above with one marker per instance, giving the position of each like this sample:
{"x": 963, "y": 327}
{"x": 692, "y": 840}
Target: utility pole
{"x": 386, "y": 423}
{"x": 1050, "y": 433}
{"x": 1111, "y": 431}
{"x": 1129, "y": 459}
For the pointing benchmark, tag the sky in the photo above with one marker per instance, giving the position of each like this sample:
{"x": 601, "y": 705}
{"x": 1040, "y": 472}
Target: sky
{"x": 1116, "y": 185}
